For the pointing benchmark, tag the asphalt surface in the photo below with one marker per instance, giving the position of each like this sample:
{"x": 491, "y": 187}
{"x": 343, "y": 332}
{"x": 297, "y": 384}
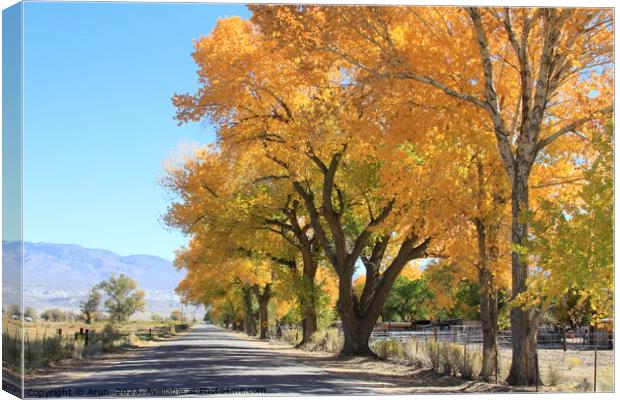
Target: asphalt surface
{"x": 208, "y": 360}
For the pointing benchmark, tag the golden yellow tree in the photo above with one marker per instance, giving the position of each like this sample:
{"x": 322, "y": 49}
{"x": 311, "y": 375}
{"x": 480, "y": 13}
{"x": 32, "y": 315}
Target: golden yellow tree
{"x": 248, "y": 214}
{"x": 337, "y": 153}
{"x": 536, "y": 76}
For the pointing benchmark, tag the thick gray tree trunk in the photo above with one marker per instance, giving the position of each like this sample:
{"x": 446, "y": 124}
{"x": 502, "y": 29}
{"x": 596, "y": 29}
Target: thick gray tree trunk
{"x": 308, "y": 299}
{"x": 356, "y": 329}
{"x": 523, "y": 324}
{"x": 249, "y": 321}
{"x": 488, "y": 319}
{"x": 263, "y": 303}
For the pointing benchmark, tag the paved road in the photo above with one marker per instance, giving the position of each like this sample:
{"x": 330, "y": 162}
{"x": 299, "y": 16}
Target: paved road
{"x": 206, "y": 357}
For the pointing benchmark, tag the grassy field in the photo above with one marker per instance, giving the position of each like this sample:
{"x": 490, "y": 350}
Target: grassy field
{"x": 47, "y": 329}
{"x": 48, "y": 343}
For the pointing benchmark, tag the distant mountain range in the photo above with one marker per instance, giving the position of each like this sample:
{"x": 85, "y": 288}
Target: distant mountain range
{"x": 60, "y": 275}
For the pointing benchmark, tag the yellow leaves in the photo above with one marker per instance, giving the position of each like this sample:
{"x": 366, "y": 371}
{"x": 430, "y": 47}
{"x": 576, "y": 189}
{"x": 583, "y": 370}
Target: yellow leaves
{"x": 358, "y": 284}
{"x": 399, "y": 35}
{"x": 291, "y": 88}
{"x": 411, "y": 271}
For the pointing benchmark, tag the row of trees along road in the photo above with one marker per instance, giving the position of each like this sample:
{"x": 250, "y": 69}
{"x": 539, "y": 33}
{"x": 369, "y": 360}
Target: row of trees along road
{"x": 373, "y": 137}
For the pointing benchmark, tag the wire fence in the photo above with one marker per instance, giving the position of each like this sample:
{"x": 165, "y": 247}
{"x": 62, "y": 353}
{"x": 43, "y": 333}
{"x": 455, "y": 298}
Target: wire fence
{"x": 568, "y": 362}
{"x": 571, "y": 362}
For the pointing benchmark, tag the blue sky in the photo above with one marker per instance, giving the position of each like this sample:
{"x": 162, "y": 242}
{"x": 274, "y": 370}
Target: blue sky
{"x": 98, "y": 121}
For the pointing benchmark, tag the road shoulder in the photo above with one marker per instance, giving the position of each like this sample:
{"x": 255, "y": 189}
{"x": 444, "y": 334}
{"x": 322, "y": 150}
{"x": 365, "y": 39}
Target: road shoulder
{"x": 386, "y": 377}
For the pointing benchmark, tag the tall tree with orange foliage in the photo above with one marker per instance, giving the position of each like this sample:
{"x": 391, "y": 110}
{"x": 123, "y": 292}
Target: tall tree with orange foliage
{"x": 536, "y": 76}
{"x": 210, "y": 210}
{"x": 239, "y": 198}
{"x": 328, "y": 142}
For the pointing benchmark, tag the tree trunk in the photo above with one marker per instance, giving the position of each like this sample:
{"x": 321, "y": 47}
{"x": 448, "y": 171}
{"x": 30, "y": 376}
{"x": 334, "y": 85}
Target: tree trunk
{"x": 249, "y": 323}
{"x": 308, "y": 298}
{"x": 488, "y": 319}
{"x": 522, "y": 325}
{"x": 263, "y": 302}
{"x": 356, "y": 329}
{"x": 356, "y": 336}
{"x": 523, "y": 369}
{"x": 488, "y": 254}
{"x": 309, "y": 324}
{"x": 358, "y": 317}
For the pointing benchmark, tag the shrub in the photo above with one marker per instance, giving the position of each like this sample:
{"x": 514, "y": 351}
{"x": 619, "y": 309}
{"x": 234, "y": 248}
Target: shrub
{"x": 468, "y": 363}
{"x": 291, "y": 336}
{"x": 388, "y": 349}
{"x": 109, "y": 337}
{"x": 328, "y": 340}
{"x": 450, "y": 356}
{"x": 78, "y": 348}
{"x": 431, "y": 351}
{"x": 444, "y": 358}
{"x": 394, "y": 350}
{"x": 132, "y": 340}
{"x": 54, "y": 350}
{"x": 411, "y": 354}
{"x": 333, "y": 340}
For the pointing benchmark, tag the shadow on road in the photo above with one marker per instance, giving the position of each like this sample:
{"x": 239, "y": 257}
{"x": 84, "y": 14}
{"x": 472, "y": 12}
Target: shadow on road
{"x": 207, "y": 357}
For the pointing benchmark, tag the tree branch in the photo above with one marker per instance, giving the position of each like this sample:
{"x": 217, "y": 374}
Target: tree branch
{"x": 572, "y": 127}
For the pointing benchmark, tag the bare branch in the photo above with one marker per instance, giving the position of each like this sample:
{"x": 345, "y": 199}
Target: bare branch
{"x": 572, "y": 127}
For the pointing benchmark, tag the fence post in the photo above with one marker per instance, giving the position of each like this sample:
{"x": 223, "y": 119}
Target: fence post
{"x": 595, "y": 360}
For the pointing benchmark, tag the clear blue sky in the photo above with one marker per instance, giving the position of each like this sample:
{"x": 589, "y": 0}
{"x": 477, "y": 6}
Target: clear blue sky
{"x": 98, "y": 121}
